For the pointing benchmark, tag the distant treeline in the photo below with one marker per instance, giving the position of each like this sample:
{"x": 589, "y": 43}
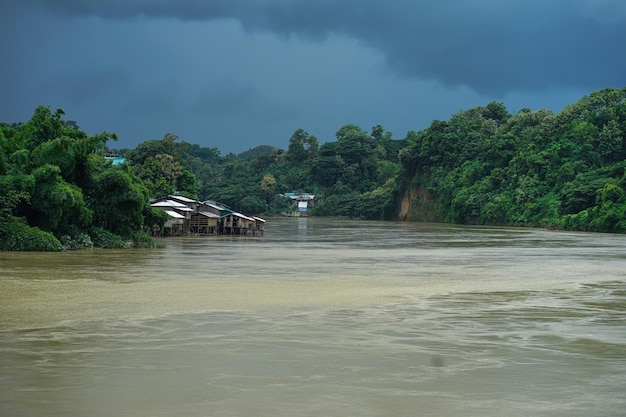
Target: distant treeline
{"x": 482, "y": 166}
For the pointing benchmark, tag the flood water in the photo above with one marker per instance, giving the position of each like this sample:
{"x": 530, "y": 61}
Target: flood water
{"x": 320, "y": 318}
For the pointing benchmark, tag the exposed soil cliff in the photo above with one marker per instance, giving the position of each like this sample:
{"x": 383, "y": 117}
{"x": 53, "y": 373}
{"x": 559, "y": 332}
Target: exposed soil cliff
{"x": 416, "y": 203}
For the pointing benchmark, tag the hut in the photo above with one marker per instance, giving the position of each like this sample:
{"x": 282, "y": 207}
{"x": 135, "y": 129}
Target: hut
{"x": 212, "y": 207}
{"x": 175, "y": 225}
{"x": 302, "y": 202}
{"x": 259, "y": 226}
{"x": 204, "y": 223}
{"x": 191, "y": 203}
{"x": 179, "y": 216}
{"x": 234, "y": 223}
{"x": 208, "y": 217}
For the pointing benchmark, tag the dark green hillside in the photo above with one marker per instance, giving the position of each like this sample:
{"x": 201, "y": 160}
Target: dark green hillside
{"x": 485, "y": 166}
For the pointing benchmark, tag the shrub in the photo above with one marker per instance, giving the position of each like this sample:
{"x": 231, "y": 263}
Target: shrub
{"x": 79, "y": 241}
{"x": 143, "y": 240}
{"x": 18, "y": 236}
{"x": 104, "y": 239}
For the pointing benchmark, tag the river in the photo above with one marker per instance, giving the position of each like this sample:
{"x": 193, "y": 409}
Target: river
{"x": 317, "y": 318}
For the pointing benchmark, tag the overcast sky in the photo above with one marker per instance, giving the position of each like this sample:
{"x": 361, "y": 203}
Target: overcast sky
{"x": 234, "y": 74}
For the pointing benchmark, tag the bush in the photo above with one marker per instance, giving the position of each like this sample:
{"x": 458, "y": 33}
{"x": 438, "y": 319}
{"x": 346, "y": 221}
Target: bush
{"x": 79, "y": 241}
{"x": 143, "y": 240}
{"x": 578, "y": 221}
{"x": 18, "y": 236}
{"x": 104, "y": 239}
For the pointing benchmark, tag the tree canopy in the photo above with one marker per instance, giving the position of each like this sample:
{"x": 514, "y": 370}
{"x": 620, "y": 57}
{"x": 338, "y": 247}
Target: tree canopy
{"x": 481, "y": 166}
{"x": 485, "y": 166}
{"x": 58, "y": 191}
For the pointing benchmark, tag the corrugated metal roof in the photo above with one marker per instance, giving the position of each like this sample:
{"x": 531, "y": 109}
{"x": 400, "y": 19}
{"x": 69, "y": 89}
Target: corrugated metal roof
{"x": 243, "y": 216}
{"x": 168, "y": 203}
{"x": 258, "y": 219}
{"x": 215, "y": 206}
{"x": 174, "y": 215}
{"x": 211, "y": 215}
{"x": 181, "y": 198}
{"x": 300, "y": 196}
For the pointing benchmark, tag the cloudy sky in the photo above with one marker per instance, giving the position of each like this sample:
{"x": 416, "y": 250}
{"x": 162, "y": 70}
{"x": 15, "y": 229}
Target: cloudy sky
{"x": 234, "y": 74}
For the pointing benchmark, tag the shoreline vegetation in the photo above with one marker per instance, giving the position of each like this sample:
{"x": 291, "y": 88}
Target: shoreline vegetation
{"x": 565, "y": 170}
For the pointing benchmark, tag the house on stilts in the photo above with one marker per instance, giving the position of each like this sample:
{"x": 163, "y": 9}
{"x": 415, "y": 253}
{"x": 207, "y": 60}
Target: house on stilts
{"x": 187, "y": 216}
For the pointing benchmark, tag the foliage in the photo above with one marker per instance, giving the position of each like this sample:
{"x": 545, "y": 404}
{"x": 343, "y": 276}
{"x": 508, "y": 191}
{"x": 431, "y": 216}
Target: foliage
{"x": 166, "y": 167}
{"x": 122, "y": 200}
{"x": 102, "y": 238}
{"x": 16, "y": 235}
{"x": 357, "y": 164}
{"x": 485, "y": 166}
{"x": 78, "y": 241}
{"x": 141, "y": 239}
{"x": 57, "y": 188}
{"x": 481, "y": 166}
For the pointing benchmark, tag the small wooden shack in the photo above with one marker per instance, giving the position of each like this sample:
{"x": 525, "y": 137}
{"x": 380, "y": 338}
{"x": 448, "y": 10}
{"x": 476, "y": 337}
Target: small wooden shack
{"x": 188, "y": 202}
{"x": 204, "y": 223}
{"x": 259, "y": 226}
{"x": 234, "y": 223}
{"x": 204, "y": 218}
{"x": 175, "y": 225}
{"x": 179, "y": 216}
{"x": 212, "y": 207}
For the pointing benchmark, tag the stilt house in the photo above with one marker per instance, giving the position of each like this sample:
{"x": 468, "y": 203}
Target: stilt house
{"x": 204, "y": 218}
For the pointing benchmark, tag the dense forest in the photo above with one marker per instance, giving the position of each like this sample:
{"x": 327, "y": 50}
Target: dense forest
{"x": 485, "y": 166}
{"x": 57, "y": 191}
{"x": 482, "y": 166}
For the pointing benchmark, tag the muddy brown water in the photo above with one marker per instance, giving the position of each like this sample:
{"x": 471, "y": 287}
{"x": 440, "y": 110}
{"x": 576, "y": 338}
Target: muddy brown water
{"x": 321, "y": 318}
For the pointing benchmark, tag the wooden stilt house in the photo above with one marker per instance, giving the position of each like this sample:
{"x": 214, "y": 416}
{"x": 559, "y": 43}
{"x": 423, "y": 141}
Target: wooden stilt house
{"x": 234, "y": 223}
{"x": 179, "y": 216}
{"x": 259, "y": 226}
{"x": 204, "y": 221}
{"x": 205, "y": 218}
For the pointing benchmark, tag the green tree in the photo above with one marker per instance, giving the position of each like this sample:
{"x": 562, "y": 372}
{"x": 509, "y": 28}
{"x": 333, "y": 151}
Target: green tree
{"x": 296, "y": 151}
{"x": 52, "y": 175}
{"x": 187, "y": 183}
{"x": 145, "y": 150}
{"x": 122, "y": 201}
{"x": 268, "y": 187}
{"x": 56, "y": 204}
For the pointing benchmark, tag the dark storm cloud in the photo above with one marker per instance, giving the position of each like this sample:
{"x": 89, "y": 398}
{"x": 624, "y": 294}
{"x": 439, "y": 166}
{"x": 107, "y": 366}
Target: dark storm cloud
{"x": 224, "y": 97}
{"x": 230, "y": 99}
{"x": 82, "y": 87}
{"x": 238, "y": 73}
{"x": 494, "y": 47}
